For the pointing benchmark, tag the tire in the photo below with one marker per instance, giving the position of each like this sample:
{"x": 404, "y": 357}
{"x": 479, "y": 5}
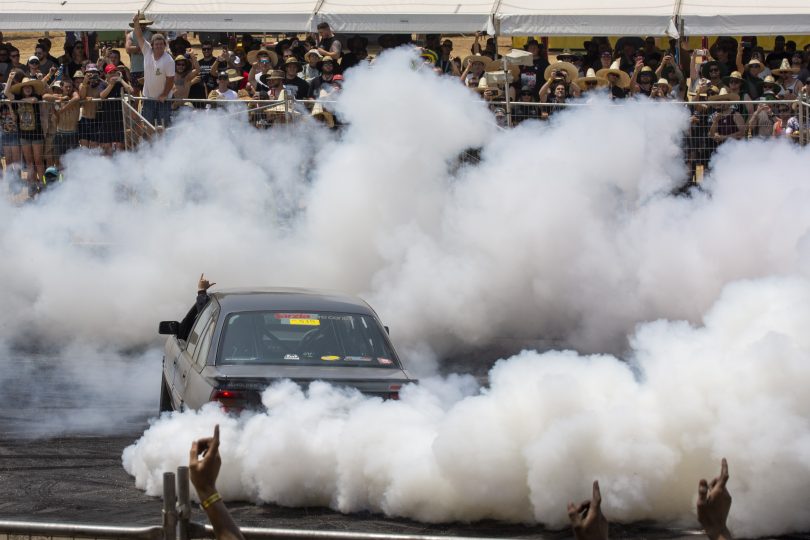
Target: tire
{"x": 165, "y": 396}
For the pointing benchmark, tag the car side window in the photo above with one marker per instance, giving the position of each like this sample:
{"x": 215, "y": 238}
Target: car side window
{"x": 205, "y": 344}
{"x": 199, "y": 327}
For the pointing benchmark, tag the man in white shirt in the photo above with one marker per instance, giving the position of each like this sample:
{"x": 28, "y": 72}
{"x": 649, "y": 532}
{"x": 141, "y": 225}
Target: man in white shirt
{"x": 158, "y": 73}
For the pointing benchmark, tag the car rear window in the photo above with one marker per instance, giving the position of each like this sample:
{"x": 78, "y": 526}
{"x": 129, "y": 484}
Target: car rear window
{"x": 304, "y": 338}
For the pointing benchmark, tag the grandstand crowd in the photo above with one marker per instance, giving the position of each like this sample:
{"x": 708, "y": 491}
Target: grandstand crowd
{"x": 57, "y": 100}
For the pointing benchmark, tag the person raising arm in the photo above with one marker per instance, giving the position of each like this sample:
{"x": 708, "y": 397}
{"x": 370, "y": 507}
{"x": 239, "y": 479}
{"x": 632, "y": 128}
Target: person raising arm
{"x": 203, "y": 467}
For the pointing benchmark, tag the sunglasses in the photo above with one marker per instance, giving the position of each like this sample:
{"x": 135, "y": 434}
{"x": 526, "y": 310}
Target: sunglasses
{"x": 208, "y": 48}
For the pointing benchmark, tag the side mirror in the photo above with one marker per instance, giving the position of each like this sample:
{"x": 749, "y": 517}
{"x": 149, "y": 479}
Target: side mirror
{"x": 169, "y": 328}
{"x": 387, "y": 330}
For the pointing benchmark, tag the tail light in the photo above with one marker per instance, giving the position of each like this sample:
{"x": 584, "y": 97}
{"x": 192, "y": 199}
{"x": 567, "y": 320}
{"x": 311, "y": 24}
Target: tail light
{"x": 230, "y": 400}
{"x": 393, "y": 391}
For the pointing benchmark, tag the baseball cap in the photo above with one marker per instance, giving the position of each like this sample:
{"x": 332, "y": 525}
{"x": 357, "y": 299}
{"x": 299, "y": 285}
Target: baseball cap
{"x": 110, "y": 67}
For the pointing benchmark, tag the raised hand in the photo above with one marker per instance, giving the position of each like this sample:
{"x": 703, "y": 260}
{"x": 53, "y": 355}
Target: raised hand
{"x": 714, "y": 503}
{"x": 587, "y": 519}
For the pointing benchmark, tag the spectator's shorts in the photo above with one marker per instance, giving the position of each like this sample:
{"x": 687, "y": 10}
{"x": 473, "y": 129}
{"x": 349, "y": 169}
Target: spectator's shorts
{"x": 157, "y": 113}
{"x": 11, "y": 139}
{"x": 64, "y": 141}
{"x": 29, "y": 140}
{"x": 88, "y": 129}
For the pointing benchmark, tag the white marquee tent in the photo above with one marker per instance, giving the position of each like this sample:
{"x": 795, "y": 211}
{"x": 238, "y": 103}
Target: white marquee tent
{"x": 508, "y": 17}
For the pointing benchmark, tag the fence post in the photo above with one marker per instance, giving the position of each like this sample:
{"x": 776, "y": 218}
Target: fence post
{"x": 169, "y": 510}
{"x": 183, "y": 502}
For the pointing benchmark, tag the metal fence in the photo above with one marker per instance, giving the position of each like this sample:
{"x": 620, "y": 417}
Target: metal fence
{"x": 118, "y": 124}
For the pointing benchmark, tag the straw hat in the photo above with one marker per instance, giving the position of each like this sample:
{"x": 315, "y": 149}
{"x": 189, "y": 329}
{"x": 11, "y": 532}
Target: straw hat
{"x": 486, "y": 60}
{"x": 785, "y": 68}
{"x": 566, "y": 53}
{"x": 589, "y": 77}
{"x": 253, "y": 56}
{"x": 735, "y": 75}
{"x": 312, "y": 52}
{"x": 664, "y": 82}
{"x": 770, "y": 80}
{"x": 754, "y": 62}
{"x": 624, "y": 78}
{"x": 724, "y": 95}
{"x": 567, "y": 67}
{"x": 293, "y": 60}
{"x": 646, "y": 71}
{"x": 233, "y": 75}
{"x": 38, "y": 86}
{"x": 78, "y": 75}
{"x": 276, "y": 74}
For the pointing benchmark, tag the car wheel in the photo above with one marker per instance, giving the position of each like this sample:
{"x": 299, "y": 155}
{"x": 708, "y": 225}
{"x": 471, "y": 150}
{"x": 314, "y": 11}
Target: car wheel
{"x": 165, "y": 396}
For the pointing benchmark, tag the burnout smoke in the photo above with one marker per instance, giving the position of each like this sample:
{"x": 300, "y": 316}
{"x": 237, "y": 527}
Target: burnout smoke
{"x": 544, "y": 429}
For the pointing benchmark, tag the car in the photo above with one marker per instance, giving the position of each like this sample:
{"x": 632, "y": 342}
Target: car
{"x": 243, "y": 340}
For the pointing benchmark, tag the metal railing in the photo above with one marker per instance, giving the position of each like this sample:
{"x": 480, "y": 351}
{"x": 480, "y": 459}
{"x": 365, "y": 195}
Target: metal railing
{"x": 177, "y": 525}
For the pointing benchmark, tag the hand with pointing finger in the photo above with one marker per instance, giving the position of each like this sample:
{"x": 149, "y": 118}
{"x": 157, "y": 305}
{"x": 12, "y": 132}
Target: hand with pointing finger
{"x": 714, "y": 503}
{"x": 587, "y": 519}
{"x": 203, "y": 284}
{"x": 203, "y": 471}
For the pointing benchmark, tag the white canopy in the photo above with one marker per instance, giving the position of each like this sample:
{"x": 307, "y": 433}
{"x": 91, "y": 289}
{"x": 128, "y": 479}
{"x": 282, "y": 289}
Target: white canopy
{"x": 67, "y": 14}
{"x": 512, "y": 17}
{"x": 585, "y": 17}
{"x": 232, "y": 15}
{"x": 404, "y": 17}
{"x": 745, "y": 17}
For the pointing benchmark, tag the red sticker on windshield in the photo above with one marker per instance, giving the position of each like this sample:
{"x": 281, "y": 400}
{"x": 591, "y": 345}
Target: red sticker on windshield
{"x": 385, "y": 361}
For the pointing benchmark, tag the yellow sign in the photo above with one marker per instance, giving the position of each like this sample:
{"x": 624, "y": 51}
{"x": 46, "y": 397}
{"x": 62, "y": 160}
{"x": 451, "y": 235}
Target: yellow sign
{"x": 330, "y": 358}
{"x": 305, "y": 322}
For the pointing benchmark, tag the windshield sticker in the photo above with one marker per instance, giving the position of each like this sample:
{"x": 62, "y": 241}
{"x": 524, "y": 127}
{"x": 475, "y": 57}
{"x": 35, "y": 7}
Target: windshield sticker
{"x": 330, "y": 358}
{"x": 291, "y": 357}
{"x": 357, "y": 358}
{"x": 385, "y": 361}
{"x": 302, "y": 322}
{"x": 295, "y": 316}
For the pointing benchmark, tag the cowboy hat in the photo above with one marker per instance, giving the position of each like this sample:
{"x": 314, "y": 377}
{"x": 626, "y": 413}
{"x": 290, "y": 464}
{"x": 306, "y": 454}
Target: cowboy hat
{"x": 735, "y": 75}
{"x": 253, "y": 56}
{"x": 276, "y": 74}
{"x": 293, "y": 60}
{"x": 624, "y": 78}
{"x": 646, "y": 71}
{"x": 589, "y": 77}
{"x": 324, "y": 61}
{"x": 232, "y": 74}
{"x": 785, "y": 68}
{"x": 144, "y": 22}
{"x": 566, "y": 53}
{"x": 754, "y": 62}
{"x": 181, "y": 58}
{"x": 664, "y": 82}
{"x": 310, "y": 53}
{"x": 724, "y": 95}
{"x": 777, "y": 88}
{"x": 78, "y": 75}
{"x": 38, "y": 86}
{"x": 486, "y": 60}
{"x": 569, "y": 68}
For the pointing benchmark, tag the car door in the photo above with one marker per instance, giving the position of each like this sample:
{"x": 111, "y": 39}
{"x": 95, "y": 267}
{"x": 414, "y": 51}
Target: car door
{"x": 185, "y": 360}
{"x": 198, "y": 388}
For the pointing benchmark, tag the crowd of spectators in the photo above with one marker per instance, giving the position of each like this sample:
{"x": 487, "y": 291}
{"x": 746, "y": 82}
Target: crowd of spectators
{"x": 51, "y": 104}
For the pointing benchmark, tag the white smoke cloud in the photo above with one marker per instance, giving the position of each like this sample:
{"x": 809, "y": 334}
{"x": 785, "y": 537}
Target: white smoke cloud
{"x": 547, "y": 425}
{"x": 565, "y": 231}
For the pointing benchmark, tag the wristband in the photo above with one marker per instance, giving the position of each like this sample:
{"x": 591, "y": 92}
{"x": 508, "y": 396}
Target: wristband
{"x": 207, "y": 503}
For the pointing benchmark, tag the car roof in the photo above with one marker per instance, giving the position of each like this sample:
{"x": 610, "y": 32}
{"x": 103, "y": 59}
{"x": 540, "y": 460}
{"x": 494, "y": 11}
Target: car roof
{"x": 288, "y": 298}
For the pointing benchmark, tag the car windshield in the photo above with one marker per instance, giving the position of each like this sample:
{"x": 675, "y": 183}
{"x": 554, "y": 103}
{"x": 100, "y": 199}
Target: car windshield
{"x": 312, "y": 338}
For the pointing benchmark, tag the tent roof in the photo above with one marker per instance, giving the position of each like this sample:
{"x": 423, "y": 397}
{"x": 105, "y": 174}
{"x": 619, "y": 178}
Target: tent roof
{"x": 744, "y": 17}
{"x": 232, "y": 15}
{"x": 585, "y": 17}
{"x": 67, "y": 14}
{"x": 404, "y": 16}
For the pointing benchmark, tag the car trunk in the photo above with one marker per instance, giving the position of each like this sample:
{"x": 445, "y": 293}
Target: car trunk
{"x": 246, "y": 382}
